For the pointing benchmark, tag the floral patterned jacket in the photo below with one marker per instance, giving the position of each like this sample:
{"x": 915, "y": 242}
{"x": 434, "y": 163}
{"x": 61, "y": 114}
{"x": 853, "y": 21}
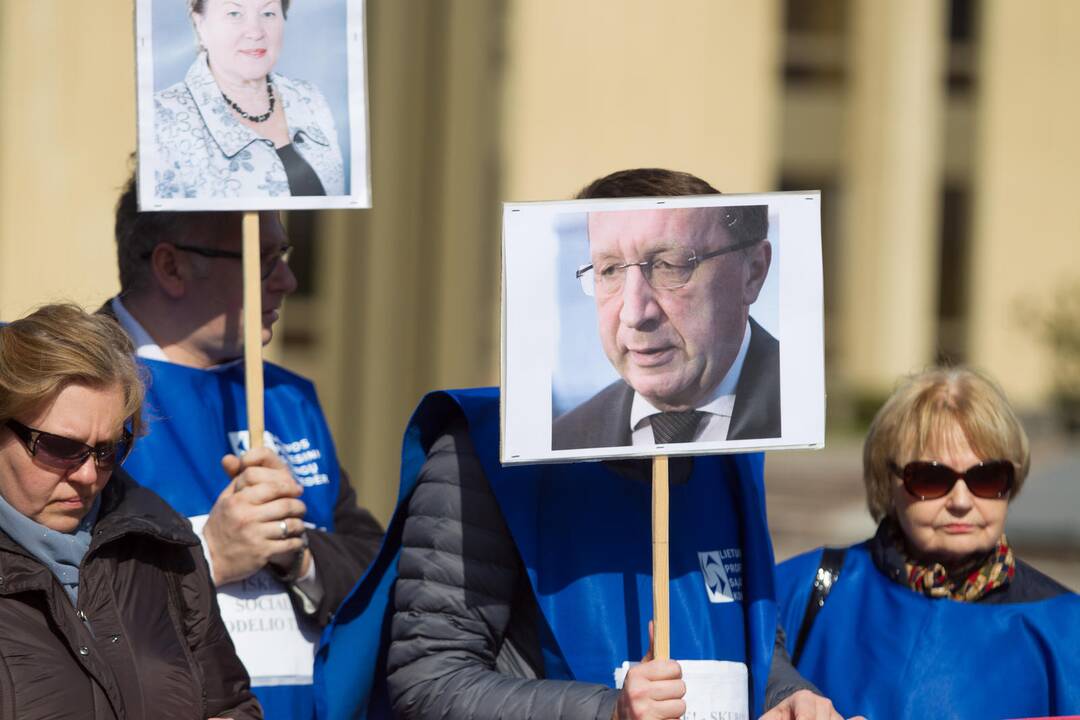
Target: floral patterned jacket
{"x": 203, "y": 151}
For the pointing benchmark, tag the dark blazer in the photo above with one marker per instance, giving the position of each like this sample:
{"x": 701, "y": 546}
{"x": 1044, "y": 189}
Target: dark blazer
{"x": 604, "y": 419}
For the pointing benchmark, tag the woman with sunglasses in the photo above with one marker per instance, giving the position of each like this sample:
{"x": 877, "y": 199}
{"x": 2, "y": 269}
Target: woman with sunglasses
{"x": 935, "y": 616}
{"x": 106, "y": 606}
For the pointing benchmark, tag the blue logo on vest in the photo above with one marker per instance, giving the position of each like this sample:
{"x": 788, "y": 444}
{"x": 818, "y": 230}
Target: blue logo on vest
{"x": 303, "y": 458}
{"x": 723, "y": 574}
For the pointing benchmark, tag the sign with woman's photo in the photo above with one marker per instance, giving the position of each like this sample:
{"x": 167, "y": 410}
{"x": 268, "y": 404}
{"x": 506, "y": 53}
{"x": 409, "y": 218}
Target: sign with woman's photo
{"x": 251, "y": 104}
{"x": 662, "y": 326}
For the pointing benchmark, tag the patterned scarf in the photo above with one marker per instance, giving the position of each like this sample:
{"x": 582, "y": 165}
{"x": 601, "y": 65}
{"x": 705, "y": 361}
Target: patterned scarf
{"x": 967, "y": 583}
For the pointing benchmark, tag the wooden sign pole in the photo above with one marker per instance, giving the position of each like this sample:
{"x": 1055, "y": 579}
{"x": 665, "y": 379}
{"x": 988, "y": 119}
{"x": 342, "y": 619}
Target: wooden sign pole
{"x": 660, "y": 575}
{"x": 253, "y": 366}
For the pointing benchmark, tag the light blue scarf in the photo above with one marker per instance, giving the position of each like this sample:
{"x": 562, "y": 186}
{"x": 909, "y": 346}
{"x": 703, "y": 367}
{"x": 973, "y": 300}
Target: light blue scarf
{"x": 61, "y": 552}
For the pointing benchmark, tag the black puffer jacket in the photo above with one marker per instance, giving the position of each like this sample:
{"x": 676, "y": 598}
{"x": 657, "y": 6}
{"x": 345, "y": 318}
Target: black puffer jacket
{"x": 146, "y": 640}
{"x": 464, "y": 638}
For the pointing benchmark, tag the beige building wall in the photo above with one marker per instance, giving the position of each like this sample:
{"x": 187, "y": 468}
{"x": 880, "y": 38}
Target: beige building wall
{"x": 1027, "y": 218}
{"x": 892, "y": 176}
{"x": 68, "y": 126}
{"x": 596, "y": 86}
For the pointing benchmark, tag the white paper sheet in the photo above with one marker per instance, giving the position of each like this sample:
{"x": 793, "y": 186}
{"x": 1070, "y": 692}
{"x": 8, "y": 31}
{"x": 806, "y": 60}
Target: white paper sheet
{"x": 715, "y": 689}
{"x": 552, "y": 357}
{"x": 259, "y": 615}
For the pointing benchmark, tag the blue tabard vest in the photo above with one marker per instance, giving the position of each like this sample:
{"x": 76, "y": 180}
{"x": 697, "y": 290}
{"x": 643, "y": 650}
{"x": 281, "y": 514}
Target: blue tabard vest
{"x": 197, "y": 416}
{"x": 584, "y": 534}
{"x": 880, "y": 650}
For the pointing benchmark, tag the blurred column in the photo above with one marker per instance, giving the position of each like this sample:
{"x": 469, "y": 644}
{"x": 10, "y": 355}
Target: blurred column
{"x": 1027, "y": 218}
{"x": 411, "y": 286}
{"x": 67, "y": 76}
{"x": 892, "y": 186}
{"x": 597, "y": 86}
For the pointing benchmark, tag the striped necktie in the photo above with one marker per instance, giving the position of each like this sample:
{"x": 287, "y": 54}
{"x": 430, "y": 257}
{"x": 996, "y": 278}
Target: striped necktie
{"x": 675, "y": 427}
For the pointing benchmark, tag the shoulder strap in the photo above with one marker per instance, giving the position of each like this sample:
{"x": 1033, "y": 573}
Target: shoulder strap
{"x": 824, "y": 579}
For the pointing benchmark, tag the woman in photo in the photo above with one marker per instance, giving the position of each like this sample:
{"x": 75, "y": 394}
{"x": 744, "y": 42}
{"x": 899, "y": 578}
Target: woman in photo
{"x": 935, "y": 616}
{"x": 233, "y": 128}
{"x": 106, "y": 603}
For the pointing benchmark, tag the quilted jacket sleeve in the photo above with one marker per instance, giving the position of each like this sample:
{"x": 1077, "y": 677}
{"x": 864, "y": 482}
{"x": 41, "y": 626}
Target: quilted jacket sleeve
{"x": 784, "y": 680}
{"x": 460, "y": 641}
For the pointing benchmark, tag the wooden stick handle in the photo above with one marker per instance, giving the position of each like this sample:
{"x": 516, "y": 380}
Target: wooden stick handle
{"x": 661, "y": 617}
{"x": 253, "y": 366}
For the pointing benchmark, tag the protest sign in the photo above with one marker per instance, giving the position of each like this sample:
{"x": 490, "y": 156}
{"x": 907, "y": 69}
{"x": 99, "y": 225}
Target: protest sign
{"x": 249, "y": 105}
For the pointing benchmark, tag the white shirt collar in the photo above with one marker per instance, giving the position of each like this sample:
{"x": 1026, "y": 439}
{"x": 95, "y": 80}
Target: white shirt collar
{"x": 145, "y": 347}
{"x": 722, "y": 400}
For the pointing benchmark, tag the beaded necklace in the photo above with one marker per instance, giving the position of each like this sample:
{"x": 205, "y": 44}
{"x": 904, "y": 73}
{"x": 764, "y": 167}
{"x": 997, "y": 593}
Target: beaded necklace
{"x": 253, "y": 118}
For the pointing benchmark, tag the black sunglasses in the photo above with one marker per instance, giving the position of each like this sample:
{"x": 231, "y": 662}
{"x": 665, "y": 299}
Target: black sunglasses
{"x": 931, "y": 480}
{"x": 66, "y": 454}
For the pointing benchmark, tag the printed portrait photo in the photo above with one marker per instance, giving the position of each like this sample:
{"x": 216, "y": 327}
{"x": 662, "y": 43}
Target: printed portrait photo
{"x": 251, "y": 104}
{"x": 668, "y": 326}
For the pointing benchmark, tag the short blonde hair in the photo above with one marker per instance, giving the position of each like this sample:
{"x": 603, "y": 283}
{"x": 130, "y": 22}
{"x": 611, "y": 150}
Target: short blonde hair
{"x": 59, "y": 345}
{"x": 921, "y": 414}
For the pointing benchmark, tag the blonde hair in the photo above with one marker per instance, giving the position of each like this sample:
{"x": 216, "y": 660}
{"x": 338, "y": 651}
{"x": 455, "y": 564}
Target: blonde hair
{"x": 59, "y": 345}
{"x": 920, "y": 417}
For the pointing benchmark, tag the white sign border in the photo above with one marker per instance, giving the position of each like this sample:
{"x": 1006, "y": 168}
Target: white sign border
{"x": 359, "y": 128}
{"x": 529, "y": 303}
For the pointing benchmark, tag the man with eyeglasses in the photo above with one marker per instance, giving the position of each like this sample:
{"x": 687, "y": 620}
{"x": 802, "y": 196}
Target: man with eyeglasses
{"x": 673, "y": 288}
{"x": 280, "y": 526}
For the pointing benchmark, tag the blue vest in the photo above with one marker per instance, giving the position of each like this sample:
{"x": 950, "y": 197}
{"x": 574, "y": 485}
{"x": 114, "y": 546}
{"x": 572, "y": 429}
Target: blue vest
{"x": 197, "y": 416}
{"x": 584, "y": 535}
{"x": 880, "y": 650}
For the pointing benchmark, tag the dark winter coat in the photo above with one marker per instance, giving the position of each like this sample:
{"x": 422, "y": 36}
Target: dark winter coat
{"x": 146, "y": 640}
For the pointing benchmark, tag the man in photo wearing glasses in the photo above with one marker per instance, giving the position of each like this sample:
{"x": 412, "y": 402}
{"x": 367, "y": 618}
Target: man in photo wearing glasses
{"x": 281, "y": 528}
{"x": 673, "y": 288}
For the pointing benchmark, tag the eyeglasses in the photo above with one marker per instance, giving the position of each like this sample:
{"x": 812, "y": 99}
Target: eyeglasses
{"x": 667, "y": 270}
{"x": 268, "y": 262}
{"x": 66, "y": 454}
{"x": 931, "y": 480}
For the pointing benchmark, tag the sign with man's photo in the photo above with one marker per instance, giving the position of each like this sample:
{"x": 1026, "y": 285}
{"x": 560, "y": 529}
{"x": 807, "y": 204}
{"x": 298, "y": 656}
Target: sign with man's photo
{"x": 662, "y": 326}
{"x": 251, "y": 105}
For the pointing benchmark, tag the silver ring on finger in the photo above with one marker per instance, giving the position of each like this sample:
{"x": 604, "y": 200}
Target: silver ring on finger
{"x": 284, "y": 529}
